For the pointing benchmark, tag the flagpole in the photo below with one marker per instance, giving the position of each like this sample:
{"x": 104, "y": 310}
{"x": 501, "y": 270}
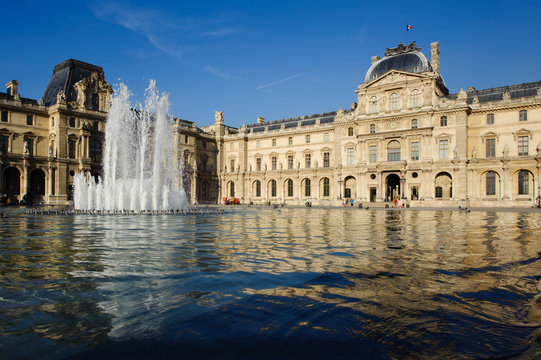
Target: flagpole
{"x": 406, "y": 43}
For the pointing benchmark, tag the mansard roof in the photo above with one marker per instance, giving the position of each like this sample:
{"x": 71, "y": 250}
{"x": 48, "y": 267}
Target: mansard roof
{"x": 306, "y": 120}
{"x": 65, "y": 75}
{"x": 495, "y": 94}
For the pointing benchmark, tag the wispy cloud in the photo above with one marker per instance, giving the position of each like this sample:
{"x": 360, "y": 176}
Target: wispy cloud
{"x": 281, "y": 81}
{"x": 158, "y": 28}
{"x": 220, "y": 32}
{"x": 213, "y": 70}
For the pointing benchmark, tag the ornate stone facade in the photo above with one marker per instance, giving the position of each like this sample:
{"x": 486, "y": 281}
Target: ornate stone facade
{"x": 405, "y": 138}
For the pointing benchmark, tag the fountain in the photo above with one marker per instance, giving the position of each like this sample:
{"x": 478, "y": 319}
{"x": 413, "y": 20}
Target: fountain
{"x": 140, "y": 167}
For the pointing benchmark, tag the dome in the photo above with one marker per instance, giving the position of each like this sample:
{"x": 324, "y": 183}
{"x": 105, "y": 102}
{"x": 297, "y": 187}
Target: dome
{"x": 407, "y": 58}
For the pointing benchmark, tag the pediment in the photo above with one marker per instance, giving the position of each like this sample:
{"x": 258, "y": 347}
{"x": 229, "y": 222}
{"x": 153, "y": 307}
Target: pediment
{"x": 394, "y": 76}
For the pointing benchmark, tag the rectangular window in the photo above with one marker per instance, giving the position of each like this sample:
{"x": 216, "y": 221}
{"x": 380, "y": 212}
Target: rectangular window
{"x": 273, "y": 162}
{"x": 308, "y": 139}
{"x": 290, "y": 188}
{"x": 258, "y": 164}
{"x": 4, "y": 116}
{"x": 273, "y": 142}
{"x": 186, "y": 139}
{"x": 373, "y": 153}
{"x": 443, "y": 121}
{"x": 414, "y": 151}
{"x": 326, "y": 137}
{"x": 490, "y": 148}
{"x": 490, "y": 119}
{"x": 204, "y": 145}
{"x": 307, "y": 160}
{"x": 29, "y": 120}
{"x": 414, "y": 124}
{"x": 523, "y": 145}
{"x": 523, "y": 115}
{"x": 4, "y": 144}
{"x": 350, "y": 131}
{"x": 290, "y": 140}
{"x": 72, "y": 121}
{"x": 290, "y": 161}
{"x": 71, "y": 149}
{"x": 350, "y": 156}
{"x": 232, "y": 164}
{"x": 444, "y": 149}
{"x": 326, "y": 158}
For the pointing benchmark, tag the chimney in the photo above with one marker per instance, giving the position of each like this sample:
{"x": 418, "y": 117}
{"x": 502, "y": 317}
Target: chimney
{"x": 260, "y": 120}
{"x": 375, "y": 58}
{"x": 12, "y": 88}
{"x": 435, "y": 56}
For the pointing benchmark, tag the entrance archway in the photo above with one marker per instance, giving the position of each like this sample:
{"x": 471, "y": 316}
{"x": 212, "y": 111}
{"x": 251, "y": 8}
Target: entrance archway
{"x": 12, "y": 181}
{"x": 37, "y": 182}
{"x": 350, "y": 186}
{"x": 392, "y": 187}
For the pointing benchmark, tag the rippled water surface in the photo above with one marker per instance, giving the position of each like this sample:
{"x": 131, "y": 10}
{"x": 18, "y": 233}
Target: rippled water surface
{"x": 269, "y": 283}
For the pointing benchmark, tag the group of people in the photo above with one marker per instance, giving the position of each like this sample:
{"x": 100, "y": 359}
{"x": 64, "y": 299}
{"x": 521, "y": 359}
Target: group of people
{"x": 347, "y": 202}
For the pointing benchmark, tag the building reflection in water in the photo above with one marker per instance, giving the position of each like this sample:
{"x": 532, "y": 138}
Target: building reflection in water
{"x": 390, "y": 275}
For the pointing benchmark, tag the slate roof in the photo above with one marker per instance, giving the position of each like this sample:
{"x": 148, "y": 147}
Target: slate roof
{"x": 65, "y": 75}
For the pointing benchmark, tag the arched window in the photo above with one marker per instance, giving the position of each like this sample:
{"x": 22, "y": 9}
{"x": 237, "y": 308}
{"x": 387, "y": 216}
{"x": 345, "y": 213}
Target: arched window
{"x": 273, "y": 188}
{"x": 393, "y": 101}
{"x": 414, "y": 124}
{"x": 372, "y": 128}
{"x": 415, "y": 98}
{"x": 490, "y": 183}
{"x": 373, "y": 105}
{"x": 393, "y": 151}
{"x": 257, "y": 188}
{"x": 523, "y": 182}
{"x": 289, "y": 187}
{"x": 307, "y": 187}
{"x": 326, "y": 186}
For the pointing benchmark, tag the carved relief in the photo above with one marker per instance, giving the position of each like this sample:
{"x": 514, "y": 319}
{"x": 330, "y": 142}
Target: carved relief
{"x": 94, "y": 84}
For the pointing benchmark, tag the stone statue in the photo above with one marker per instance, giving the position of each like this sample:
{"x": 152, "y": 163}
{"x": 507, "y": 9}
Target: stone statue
{"x": 538, "y": 148}
{"x": 474, "y": 153}
{"x": 455, "y": 152}
{"x": 50, "y": 150}
{"x": 505, "y": 151}
{"x": 26, "y": 150}
{"x": 61, "y": 97}
{"x": 219, "y": 117}
{"x": 81, "y": 97}
{"x": 340, "y": 112}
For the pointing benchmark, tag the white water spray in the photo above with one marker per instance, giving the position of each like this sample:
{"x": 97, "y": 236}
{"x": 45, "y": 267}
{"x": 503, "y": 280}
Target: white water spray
{"x": 140, "y": 166}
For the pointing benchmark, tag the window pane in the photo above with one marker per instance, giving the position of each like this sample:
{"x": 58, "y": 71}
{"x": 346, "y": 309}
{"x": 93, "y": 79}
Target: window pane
{"x": 444, "y": 148}
{"x": 491, "y": 148}
{"x": 523, "y": 180}
{"x": 490, "y": 119}
{"x": 522, "y": 145}
{"x": 491, "y": 183}
{"x": 414, "y": 151}
{"x": 373, "y": 153}
{"x": 350, "y": 156}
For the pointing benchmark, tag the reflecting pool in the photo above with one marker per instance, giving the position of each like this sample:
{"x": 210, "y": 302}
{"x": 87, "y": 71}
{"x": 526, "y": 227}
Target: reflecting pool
{"x": 270, "y": 283}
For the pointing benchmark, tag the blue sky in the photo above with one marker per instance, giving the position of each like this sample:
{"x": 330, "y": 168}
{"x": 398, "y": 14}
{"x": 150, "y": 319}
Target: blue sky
{"x": 274, "y": 59}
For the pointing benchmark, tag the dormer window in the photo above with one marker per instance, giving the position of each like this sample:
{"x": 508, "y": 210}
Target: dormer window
{"x": 95, "y": 102}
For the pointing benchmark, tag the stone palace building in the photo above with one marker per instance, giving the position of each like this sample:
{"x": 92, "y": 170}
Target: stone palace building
{"x": 405, "y": 138}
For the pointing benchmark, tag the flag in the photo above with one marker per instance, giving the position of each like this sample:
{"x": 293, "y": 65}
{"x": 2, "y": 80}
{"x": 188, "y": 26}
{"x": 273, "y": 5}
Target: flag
{"x": 408, "y": 27}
